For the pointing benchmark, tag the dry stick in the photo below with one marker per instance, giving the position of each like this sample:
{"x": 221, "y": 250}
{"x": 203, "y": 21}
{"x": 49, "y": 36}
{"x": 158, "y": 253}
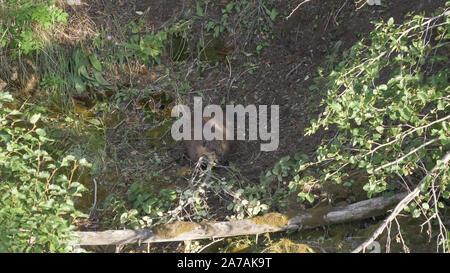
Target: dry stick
{"x": 275, "y": 222}
{"x": 296, "y": 8}
{"x": 400, "y": 206}
{"x": 406, "y": 155}
{"x": 95, "y": 197}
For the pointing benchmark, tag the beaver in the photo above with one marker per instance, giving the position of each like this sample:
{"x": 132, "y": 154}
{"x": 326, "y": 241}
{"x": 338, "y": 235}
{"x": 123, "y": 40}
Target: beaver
{"x": 215, "y": 151}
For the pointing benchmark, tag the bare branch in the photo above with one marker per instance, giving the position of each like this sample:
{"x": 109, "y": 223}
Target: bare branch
{"x": 408, "y": 154}
{"x": 399, "y": 207}
{"x": 296, "y": 8}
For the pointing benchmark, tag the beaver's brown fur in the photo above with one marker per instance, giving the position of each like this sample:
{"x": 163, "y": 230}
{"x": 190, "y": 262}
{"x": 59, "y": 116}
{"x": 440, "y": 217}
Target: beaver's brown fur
{"x": 214, "y": 150}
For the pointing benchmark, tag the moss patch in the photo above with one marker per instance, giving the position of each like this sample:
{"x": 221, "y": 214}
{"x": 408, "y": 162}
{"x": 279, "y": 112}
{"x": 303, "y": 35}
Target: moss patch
{"x": 174, "y": 229}
{"x": 271, "y": 219}
{"x": 287, "y": 246}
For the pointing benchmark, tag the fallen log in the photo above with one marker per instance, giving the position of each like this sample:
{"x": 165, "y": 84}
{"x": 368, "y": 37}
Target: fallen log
{"x": 271, "y": 222}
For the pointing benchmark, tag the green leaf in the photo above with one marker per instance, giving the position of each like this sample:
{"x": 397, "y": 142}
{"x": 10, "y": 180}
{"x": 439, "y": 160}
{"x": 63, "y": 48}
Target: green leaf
{"x": 390, "y": 22}
{"x": 41, "y": 132}
{"x": 35, "y": 118}
{"x": 98, "y": 76}
{"x": 336, "y": 106}
{"x": 80, "y": 86}
{"x": 229, "y": 7}
{"x": 416, "y": 213}
{"x": 422, "y": 96}
{"x": 379, "y": 129}
{"x": 95, "y": 62}
{"x": 95, "y": 122}
{"x": 273, "y": 14}
{"x": 83, "y": 72}
{"x": 199, "y": 10}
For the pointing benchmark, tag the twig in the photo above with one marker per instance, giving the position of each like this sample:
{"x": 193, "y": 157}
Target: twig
{"x": 400, "y": 206}
{"x": 293, "y": 69}
{"x": 337, "y": 13}
{"x": 296, "y": 8}
{"x": 95, "y": 197}
{"x": 408, "y": 154}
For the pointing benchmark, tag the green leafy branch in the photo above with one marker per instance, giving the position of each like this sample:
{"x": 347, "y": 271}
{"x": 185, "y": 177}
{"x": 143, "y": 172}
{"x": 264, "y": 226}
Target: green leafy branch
{"x": 37, "y": 212}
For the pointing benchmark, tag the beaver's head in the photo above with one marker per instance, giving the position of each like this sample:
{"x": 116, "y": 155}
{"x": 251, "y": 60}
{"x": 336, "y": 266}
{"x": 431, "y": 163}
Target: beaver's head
{"x": 214, "y": 150}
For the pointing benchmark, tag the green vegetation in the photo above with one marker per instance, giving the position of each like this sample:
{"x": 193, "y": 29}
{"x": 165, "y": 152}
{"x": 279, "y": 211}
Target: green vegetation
{"x": 85, "y": 118}
{"x": 37, "y": 212}
{"x": 388, "y": 106}
{"x": 391, "y": 111}
{"x": 23, "y": 21}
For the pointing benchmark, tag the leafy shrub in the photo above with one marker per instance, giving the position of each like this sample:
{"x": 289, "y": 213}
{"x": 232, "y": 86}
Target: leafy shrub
{"x": 149, "y": 46}
{"x": 20, "y": 21}
{"x": 147, "y": 208}
{"x": 388, "y": 101}
{"x": 37, "y": 191}
{"x": 390, "y": 106}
